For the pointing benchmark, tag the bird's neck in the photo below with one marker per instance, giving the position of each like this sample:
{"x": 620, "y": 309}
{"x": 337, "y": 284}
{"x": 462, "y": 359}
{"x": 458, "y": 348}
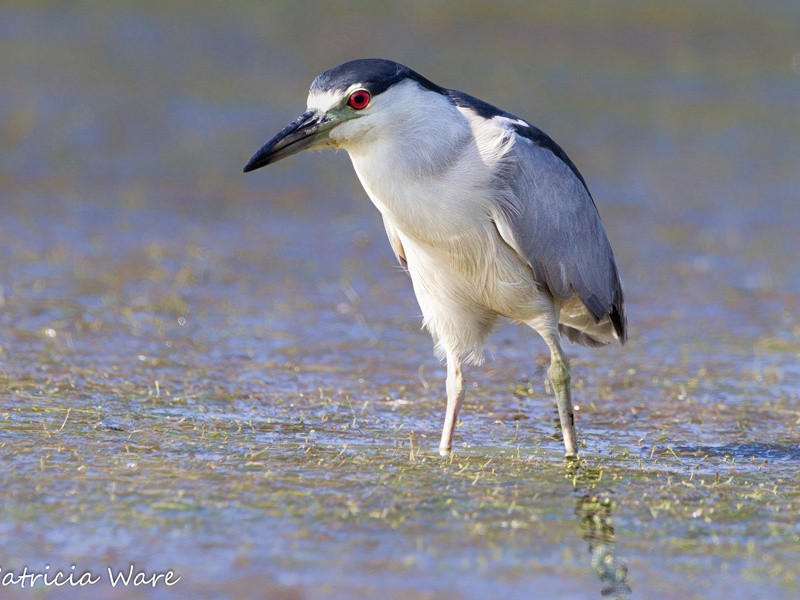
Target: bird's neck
{"x": 400, "y": 167}
{"x": 432, "y": 203}
{"x": 424, "y": 171}
{"x": 400, "y": 177}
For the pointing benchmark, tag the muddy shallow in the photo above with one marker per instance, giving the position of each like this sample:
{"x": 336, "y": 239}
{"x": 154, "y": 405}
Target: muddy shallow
{"x": 223, "y": 375}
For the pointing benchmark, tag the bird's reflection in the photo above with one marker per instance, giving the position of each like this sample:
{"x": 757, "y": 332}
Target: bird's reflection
{"x": 594, "y": 507}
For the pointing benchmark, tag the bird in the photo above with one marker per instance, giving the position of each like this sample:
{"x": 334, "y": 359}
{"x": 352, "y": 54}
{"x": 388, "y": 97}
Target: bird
{"x": 485, "y": 212}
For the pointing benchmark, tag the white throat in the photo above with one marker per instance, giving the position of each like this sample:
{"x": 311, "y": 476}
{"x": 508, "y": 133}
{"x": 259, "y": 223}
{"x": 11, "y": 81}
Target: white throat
{"x": 419, "y": 149}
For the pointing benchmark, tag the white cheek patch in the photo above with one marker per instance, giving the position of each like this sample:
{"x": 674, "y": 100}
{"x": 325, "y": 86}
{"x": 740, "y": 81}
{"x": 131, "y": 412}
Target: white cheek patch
{"x": 345, "y": 131}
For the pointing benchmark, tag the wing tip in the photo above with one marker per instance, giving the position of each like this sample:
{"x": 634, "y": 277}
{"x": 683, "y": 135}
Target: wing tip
{"x": 618, "y": 319}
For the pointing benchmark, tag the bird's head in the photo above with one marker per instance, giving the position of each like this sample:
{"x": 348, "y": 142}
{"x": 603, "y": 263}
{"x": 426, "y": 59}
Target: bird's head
{"x": 349, "y": 105}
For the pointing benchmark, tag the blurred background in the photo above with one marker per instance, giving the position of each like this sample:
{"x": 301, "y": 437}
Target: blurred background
{"x": 145, "y": 280}
{"x": 683, "y": 118}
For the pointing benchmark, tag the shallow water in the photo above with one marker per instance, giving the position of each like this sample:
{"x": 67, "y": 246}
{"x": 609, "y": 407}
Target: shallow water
{"x": 224, "y": 375}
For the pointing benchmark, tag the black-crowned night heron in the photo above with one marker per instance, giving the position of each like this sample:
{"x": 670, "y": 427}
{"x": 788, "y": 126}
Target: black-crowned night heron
{"x": 487, "y": 214}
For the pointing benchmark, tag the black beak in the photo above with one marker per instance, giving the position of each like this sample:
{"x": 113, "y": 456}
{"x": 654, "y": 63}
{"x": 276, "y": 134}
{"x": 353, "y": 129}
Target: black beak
{"x": 298, "y": 135}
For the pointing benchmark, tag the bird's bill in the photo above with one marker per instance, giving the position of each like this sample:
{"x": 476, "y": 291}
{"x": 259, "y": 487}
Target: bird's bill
{"x": 307, "y": 130}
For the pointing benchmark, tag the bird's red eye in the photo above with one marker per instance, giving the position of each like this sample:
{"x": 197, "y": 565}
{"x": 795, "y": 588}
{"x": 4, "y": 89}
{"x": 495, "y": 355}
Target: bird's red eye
{"x": 358, "y": 99}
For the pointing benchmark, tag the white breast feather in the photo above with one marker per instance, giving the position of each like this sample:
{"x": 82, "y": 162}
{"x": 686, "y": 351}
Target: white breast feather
{"x": 433, "y": 176}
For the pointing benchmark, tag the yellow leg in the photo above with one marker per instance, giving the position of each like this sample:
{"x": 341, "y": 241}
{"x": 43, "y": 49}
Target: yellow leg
{"x": 558, "y": 374}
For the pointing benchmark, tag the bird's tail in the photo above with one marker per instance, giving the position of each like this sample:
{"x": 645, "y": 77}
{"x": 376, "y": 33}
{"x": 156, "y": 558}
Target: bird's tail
{"x": 577, "y": 323}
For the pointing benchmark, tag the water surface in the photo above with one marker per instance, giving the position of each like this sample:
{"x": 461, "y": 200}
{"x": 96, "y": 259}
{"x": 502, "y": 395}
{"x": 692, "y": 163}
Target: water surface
{"x": 225, "y": 376}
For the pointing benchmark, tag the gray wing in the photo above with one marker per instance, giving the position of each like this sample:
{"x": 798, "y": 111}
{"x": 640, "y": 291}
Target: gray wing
{"x": 549, "y": 218}
{"x": 397, "y": 245}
